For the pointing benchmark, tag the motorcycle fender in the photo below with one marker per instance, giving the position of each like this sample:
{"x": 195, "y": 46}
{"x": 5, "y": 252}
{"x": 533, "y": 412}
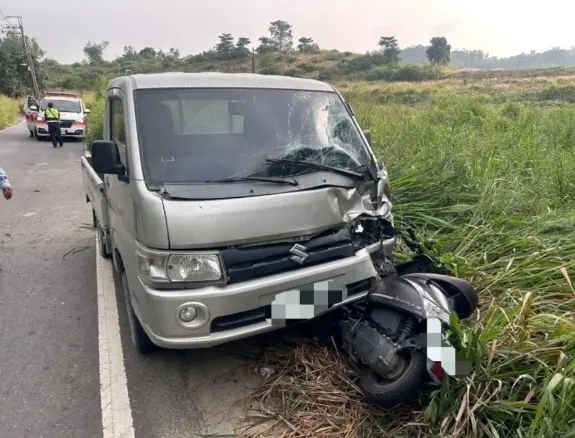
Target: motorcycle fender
{"x": 399, "y": 294}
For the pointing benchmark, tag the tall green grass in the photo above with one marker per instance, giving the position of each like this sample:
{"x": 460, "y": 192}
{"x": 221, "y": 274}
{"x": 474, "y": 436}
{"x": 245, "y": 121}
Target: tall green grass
{"x": 491, "y": 189}
{"x": 96, "y": 102}
{"x": 9, "y": 111}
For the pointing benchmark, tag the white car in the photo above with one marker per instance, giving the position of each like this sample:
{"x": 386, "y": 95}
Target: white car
{"x": 72, "y": 115}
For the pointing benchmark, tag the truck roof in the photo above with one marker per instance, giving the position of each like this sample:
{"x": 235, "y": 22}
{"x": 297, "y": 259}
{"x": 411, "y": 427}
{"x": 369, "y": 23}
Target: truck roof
{"x": 219, "y": 80}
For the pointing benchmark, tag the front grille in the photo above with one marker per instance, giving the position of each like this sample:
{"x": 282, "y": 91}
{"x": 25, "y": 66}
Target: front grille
{"x": 66, "y": 123}
{"x": 254, "y": 316}
{"x": 249, "y": 262}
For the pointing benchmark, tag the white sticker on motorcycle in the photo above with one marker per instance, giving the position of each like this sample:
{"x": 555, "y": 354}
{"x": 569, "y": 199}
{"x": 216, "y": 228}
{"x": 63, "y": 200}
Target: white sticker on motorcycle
{"x": 439, "y": 351}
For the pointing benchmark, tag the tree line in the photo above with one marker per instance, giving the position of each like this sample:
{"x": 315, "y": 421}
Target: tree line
{"x": 277, "y": 52}
{"x": 280, "y": 38}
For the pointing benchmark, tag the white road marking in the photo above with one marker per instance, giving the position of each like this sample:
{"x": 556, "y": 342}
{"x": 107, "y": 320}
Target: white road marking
{"x": 114, "y": 398}
{"x": 13, "y": 126}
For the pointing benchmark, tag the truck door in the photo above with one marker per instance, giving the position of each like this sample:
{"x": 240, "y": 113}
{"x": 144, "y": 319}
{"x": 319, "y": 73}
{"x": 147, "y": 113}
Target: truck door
{"x": 120, "y": 204}
{"x": 31, "y": 108}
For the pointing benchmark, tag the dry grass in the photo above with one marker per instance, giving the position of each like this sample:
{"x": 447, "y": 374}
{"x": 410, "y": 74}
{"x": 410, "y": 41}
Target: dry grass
{"x": 313, "y": 393}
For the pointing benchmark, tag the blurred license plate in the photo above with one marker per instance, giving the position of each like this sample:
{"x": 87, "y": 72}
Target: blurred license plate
{"x": 308, "y": 301}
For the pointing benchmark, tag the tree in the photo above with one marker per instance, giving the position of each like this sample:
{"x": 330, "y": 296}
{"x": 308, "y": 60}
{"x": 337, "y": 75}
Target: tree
{"x": 266, "y": 45}
{"x": 94, "y": 51}
{"x": 174, "y": 53}
{"x": 389, "y": 49}
{"x": 147, "y": 53}
{"x": 225, "y": 47}
{"x": 281, "y": 33}
{"x": 242, "y": 50}
{"x": 307, "y": 45}
{"x": 439, "y": 52}
{"x": 280, "y": 39}
{"x": 130, "y": 54}
{"x": 15, "y": 77}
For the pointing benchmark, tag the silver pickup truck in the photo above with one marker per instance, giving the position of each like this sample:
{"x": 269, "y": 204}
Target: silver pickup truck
{"x": 219, "y": 196}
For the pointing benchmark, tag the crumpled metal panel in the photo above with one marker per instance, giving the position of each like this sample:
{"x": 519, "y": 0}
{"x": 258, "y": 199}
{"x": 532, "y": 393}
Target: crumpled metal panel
{"x": 212, "y": 223}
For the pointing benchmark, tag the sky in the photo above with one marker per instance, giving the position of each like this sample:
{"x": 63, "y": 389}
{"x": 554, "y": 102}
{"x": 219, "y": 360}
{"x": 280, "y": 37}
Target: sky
{"x": 499, "y": 27}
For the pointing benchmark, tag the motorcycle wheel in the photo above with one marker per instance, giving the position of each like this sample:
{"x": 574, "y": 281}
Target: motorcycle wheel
{"x": 403, "y": 389}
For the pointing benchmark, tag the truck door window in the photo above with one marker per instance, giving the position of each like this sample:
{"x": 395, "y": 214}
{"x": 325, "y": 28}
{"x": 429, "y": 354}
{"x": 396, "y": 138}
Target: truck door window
{"x": 117, "y": 127}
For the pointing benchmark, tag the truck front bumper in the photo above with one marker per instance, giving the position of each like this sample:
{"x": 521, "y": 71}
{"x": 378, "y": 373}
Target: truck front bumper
{"x": 242, "y": 310}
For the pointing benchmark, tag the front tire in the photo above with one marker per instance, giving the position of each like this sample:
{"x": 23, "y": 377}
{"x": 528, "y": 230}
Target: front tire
{"x": 139, "y": 337}
{"x": 404, "y": 389}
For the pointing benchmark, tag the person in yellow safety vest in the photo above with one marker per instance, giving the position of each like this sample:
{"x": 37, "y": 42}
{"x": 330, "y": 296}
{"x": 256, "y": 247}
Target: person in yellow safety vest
{"x": 52, "y": 116}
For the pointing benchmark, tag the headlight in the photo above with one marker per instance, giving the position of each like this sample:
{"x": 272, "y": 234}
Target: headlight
{"x": 194, "y": 267}
{"x": 162, "y": 267}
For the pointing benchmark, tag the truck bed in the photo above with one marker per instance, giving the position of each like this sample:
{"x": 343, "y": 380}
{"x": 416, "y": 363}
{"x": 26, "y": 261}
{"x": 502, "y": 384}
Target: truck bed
{"x": 95, "y": 192}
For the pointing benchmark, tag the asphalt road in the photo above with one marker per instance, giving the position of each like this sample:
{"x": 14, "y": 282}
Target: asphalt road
{"x": 50, "y": 360}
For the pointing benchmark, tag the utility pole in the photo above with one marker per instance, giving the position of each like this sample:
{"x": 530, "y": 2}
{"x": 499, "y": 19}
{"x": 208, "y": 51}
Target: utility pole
{"x": 31, "y": 66}
{"x": 253, "y": 60}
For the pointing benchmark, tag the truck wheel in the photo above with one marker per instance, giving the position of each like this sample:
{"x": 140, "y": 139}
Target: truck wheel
{"x": 139, "y": 337}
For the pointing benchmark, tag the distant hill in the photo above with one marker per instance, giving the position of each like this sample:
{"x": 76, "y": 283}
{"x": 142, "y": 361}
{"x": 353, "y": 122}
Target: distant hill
{"x": 556, "y": 57}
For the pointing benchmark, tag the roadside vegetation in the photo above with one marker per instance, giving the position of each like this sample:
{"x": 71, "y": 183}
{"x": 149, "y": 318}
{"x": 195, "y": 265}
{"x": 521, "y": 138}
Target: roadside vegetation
{"x": 484, "y": 170}
{"x": 9, "y": 111}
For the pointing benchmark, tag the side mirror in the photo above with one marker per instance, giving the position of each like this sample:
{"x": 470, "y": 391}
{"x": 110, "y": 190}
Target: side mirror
{"x": 33, "y": 107}
{"x": 86, "y": 111}
{"x": 106, "y": 158}
{"x": 367, "y": 135}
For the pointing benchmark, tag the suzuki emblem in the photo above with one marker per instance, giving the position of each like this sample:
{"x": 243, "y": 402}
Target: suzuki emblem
{"x": 299, "y": 254}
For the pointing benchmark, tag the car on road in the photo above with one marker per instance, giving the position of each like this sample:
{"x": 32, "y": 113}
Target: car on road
{"x": 218, "y": 196}
{"x": 73, "y": 114}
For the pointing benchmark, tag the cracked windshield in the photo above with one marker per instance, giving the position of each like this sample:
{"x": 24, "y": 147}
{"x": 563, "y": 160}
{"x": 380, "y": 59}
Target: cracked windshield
{"x": 194, "y": 136}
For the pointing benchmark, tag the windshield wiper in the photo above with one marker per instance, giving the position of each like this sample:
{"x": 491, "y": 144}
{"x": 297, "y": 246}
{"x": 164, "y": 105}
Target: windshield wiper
{"x": 270, "y": 179}
{"x": 312, "y": 165}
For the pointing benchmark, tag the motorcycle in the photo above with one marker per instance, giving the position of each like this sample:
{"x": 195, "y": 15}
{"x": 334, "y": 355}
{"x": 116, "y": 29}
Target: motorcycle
{"x": 385, "y": 335}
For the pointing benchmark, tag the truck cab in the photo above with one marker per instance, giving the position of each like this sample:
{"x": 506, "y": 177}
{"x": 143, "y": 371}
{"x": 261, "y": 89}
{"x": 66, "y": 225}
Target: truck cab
{"x": 217, "y": 194}
{"x": 73, "y": 113}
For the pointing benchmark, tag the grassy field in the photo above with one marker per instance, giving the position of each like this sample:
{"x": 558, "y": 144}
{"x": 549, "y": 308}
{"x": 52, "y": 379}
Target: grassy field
{"x": 484, "y": 170}
{"x": 9, "y": 110}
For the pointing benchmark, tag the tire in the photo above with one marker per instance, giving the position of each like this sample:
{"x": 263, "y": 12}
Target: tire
{"x": 36, "y": 135}
{"x": 102, "y": 247}
{"x": 405, "y": 389}
{"x": 31, "y": 134}
{"x": 139, "y": 337}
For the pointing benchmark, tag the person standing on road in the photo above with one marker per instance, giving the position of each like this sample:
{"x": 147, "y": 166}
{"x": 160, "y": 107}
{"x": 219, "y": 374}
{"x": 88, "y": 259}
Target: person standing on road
{"x": 5, "y": 184}
{"x": 52, "y": 116}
